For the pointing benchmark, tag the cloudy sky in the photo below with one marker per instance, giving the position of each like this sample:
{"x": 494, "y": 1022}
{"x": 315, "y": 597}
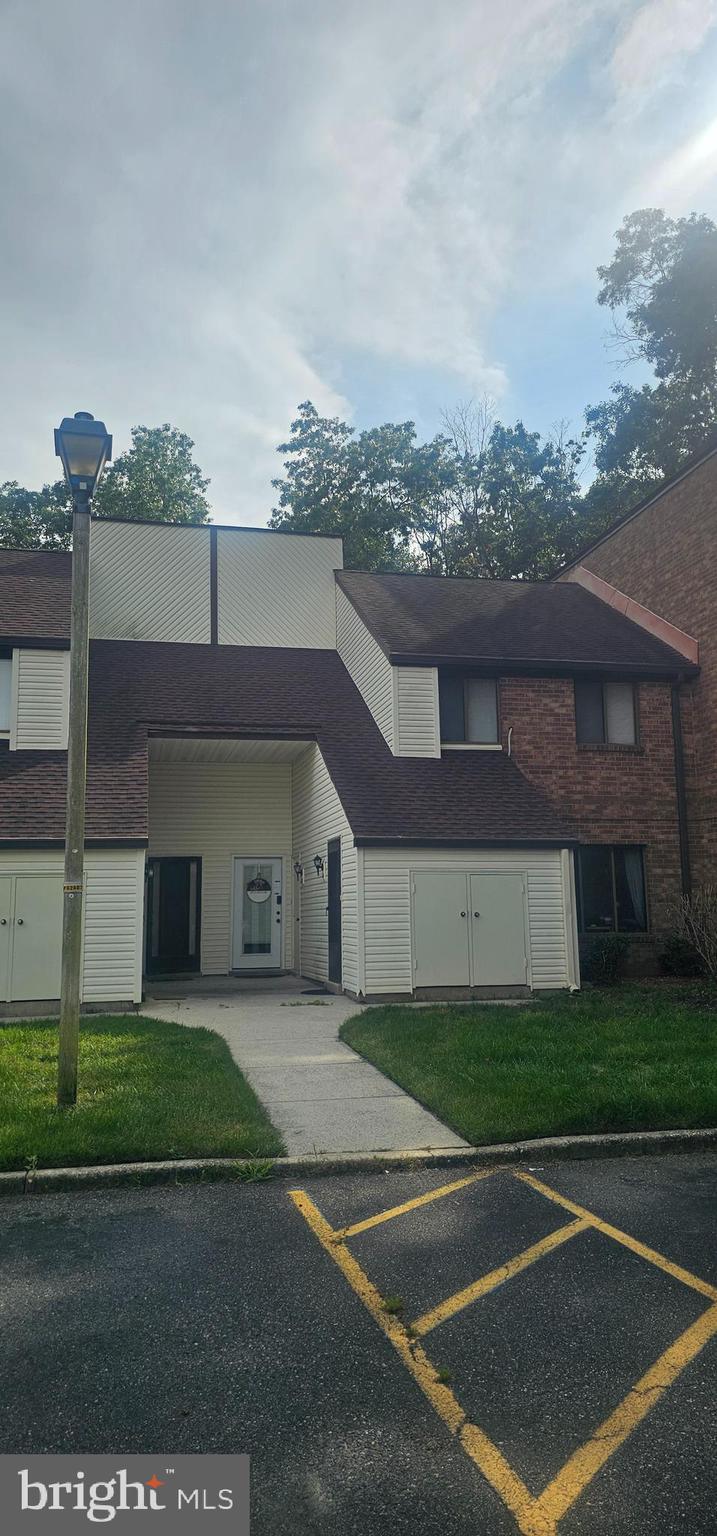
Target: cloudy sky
{"x": 210, "y": 212}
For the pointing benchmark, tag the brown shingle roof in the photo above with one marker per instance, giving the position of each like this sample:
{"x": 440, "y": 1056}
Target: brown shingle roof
{"x": 35, "y": 594}
{"x": 137, "y": 687}
{"x": 454, "y": 619}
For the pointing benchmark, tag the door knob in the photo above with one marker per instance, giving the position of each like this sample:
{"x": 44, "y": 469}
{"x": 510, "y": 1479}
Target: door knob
{"x": 20, "y": 921}
{"x": 3, "y": 922}
{"x": 463, "y": 914}
{"x": 476, "y": 914}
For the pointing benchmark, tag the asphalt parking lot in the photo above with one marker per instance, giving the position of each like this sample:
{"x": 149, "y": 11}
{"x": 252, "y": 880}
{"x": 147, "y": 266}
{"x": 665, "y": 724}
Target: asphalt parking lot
{"x": 531, "y": 1351}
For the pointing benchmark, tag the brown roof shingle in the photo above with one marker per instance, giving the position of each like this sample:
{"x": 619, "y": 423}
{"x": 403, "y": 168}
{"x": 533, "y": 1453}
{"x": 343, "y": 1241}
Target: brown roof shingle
{"x": 35, "y": 589}
{"x": 454, "y": 619}
{"x": 137, "y": 688}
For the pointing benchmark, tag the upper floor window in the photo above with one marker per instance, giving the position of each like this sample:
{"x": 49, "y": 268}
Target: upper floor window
{"x": 605, "y": 712}
{"x": 611, "y": 890}
{"x": 469, "y": 709}
{"x": 5, "y": 678}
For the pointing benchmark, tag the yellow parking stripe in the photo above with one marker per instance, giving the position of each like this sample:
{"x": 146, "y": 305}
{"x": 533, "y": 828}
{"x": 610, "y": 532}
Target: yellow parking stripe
{"x": 533, "y": 1516}
{"x": 412, "y": 1205}
{"x": 471, "y": 1293}
{"x": 494, "y": 1467}
{"x": 574, "y": 1477}
{"x": 676, "y": 1270}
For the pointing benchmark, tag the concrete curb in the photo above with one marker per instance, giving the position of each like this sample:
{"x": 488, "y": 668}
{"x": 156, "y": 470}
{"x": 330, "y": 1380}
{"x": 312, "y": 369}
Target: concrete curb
{"x": 253, "y": 1170}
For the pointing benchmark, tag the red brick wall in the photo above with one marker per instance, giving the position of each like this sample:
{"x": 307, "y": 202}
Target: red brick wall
{"x": 614, "y": 794}
{"x": 666, "y": 558}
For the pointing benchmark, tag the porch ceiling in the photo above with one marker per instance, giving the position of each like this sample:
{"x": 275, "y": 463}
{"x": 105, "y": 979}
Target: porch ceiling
{"x": 222, "y": 749}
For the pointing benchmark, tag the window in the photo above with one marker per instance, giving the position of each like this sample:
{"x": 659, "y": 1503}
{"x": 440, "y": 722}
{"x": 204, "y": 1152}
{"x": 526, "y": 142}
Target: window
{"x": 5, "y": 677}
{"x": 605, "y": 712}
{"x": 469, "y": 709}
{"x": 611, "y": 890}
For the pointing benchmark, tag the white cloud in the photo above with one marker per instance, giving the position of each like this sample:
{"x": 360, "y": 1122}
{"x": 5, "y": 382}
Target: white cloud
{"x": 218, "y": 223}
{"x": 655, "y": 42}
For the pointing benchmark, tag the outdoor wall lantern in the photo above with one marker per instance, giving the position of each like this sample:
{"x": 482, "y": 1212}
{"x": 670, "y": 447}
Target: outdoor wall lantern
{"x": 84, "y": 445}
{"x": 299, "y": 871}
{"x": 318, "y": 864}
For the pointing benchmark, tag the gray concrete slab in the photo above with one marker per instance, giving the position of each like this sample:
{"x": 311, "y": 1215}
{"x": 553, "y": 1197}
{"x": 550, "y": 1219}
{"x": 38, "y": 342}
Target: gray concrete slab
{"x": 320, "y": 1095}
{"x": 339, "y": 1079}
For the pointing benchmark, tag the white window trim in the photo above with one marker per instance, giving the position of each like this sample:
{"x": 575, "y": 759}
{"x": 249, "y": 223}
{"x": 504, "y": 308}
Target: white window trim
{"x": 14, "y": 687}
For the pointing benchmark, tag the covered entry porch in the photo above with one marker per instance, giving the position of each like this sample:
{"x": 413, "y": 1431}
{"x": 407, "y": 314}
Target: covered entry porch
{"x": 225, "y": 880}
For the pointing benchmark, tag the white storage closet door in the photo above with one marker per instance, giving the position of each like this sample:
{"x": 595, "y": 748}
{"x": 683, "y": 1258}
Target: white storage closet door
{"x": 497, "y": 907}
{"x": 5, "y": 932}
{"x": 440, "y": 929}
{"x": 468, "y": 929}
{"x": 36, "y": 937}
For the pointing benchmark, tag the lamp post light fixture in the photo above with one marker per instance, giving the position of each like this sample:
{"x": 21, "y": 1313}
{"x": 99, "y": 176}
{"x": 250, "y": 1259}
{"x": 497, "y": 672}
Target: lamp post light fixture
{"x": 84, "y": 445}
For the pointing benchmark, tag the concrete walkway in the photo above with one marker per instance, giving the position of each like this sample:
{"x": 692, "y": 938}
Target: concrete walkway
{"x": 320, "y": 1095}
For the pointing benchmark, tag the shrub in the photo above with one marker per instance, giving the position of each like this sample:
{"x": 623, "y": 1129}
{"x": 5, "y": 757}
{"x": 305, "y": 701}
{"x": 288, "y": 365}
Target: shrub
{"x": 680, "y": 958}
{"x": 603, "y": 958}
{"x": 697, "y": 924}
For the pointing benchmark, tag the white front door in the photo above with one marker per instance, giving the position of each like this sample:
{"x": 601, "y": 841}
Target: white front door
{"x": 256, "y": 939}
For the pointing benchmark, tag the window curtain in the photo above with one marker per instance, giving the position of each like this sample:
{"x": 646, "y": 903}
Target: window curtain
{"x": 634, "y": 875}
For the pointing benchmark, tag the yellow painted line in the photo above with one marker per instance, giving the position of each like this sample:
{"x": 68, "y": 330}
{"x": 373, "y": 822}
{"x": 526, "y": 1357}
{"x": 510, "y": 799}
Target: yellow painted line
{"x": 496, "y": 1277}
{"x": 531, "y": 1520}
{"x": 412, "y": 1205}
{"x": 574, "y": 1477}
{"x": 676, "y": 1270}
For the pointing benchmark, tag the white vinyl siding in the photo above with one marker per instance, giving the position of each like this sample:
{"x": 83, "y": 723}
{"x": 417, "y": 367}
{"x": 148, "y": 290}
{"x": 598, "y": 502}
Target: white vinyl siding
{"x": 215, "y": 811}
{"x": 113, "y": 917}
{"x": 366, "y": 663}
{"x": 40, "y": 701}
{"x": 319, "y": 816}
{"x": 149, "y": 582}
{"x": 276, "y": 588}
{"x": 387, "y": 910}
{"x": 114, "y": 925}
{"x": 418, "y": 724}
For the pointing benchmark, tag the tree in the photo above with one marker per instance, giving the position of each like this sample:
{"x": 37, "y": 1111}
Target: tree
{"x": 661, "y": 287}
{"x": 479, "y": 499}
{"x": 351, "y": 486}
{"x": 156, "y": 478}
{"x": 35, "y": 519}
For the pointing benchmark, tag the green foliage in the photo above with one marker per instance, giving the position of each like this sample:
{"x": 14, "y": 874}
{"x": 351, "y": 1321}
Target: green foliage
{"x": 603, "y": 958}
{"x": 680, "y": 958}
{"x": 35, "y": 519}
{"x": 479, "y": 499}
{"x": 156, "y": 478}
{"x": 661, "y": 287}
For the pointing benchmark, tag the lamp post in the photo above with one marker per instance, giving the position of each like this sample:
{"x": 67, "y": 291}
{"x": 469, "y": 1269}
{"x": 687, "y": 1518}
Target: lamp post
{"x": 84, "y": 445}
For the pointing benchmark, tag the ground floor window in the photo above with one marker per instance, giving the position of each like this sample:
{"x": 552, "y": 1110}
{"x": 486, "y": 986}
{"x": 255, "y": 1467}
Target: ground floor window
{"x": 611, "y": 890}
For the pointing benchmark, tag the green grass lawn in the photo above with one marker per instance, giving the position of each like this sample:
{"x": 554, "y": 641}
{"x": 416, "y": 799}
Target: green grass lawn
{"x": 628, "y": 1058}
{"x": 148, "y": 1089}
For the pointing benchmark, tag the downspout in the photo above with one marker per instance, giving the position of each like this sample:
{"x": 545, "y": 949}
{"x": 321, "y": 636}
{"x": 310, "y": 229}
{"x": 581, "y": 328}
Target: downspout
{"x": 681, "y": 793}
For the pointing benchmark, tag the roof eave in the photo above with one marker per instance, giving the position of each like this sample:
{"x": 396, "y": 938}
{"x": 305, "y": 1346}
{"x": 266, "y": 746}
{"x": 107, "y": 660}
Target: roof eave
{"x": 551, "y": 667}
